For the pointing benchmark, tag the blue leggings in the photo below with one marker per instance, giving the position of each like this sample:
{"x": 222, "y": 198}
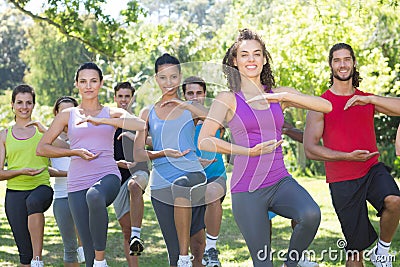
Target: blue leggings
{"x": 19, "y": 205}
{"x": 89, "y": 210}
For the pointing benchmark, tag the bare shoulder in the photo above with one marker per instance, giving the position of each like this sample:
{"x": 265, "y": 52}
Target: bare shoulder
{"x": 3, "y": 135}
{"x": 226, "y": 97}
{"x": 144, "y": 113}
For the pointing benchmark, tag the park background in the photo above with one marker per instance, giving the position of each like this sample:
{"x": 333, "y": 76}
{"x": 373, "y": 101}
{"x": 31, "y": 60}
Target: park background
{"x": 42, "y": 43}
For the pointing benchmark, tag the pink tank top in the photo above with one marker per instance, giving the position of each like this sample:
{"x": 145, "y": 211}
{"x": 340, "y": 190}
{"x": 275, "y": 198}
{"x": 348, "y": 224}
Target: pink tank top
{"x": 250, "y": 127}
{"x": 82, "y": 174}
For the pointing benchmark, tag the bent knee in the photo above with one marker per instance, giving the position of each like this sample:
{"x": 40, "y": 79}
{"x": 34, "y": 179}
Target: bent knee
{"x": 392, "y": 203}
{"x": 311, "y": 216}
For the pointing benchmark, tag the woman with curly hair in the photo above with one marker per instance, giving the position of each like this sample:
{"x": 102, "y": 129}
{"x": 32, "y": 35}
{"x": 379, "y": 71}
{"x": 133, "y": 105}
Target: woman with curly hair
{"x": 253, "y": 109}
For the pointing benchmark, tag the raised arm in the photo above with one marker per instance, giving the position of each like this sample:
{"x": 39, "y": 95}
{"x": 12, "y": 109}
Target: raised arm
{"x": 119, "y": 118}
{"x": 292, "y": 132}
{"x": 383, "y": 104}
{"x": 46, "y": 148}
{"x": 222, "y": 109}
{"x": 198, "y": 110}
{"x": 293, "y": 98}
{"x": 397, "y": 144}
{"x": 314, "y": 150}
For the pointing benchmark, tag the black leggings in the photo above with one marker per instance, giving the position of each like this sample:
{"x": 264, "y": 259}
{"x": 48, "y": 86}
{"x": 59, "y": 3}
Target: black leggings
{"x": 19, "y": 205}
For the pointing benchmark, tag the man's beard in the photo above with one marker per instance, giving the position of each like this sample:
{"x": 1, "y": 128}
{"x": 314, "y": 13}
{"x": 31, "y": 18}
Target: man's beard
{"x": 343, "y": 79}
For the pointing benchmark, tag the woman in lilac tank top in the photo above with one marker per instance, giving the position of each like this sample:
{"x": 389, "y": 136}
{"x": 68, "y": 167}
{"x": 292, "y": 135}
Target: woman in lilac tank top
{"x": 260, "y": 182}
{"x": 93, "y": 175}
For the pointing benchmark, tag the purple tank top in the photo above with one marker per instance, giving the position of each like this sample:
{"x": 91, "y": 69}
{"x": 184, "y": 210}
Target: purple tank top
{"x": 82, "y": 174}
{"x": 250, "y": 127}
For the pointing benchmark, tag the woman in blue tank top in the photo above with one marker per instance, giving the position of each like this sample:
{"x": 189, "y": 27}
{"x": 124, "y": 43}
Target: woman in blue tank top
{"x": 260, "y": 181}
{"x": 177, "y": 178}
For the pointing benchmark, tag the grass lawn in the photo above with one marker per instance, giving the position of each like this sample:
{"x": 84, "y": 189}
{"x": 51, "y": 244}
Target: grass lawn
{"x": 233, "y": 250}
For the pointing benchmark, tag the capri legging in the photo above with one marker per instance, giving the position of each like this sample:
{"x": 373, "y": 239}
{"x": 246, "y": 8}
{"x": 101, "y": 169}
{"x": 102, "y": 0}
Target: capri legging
{"x": 89, "y": 210}
{"x": 19, "y": 205}
{"x": 286, "y": 198}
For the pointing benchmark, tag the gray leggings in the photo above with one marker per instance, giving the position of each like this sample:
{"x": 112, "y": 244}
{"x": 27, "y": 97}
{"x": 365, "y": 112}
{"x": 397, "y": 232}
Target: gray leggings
{"x": 89, "y": 210}
{"x": 286, "y": 198}
{"x": 66, "y": 225}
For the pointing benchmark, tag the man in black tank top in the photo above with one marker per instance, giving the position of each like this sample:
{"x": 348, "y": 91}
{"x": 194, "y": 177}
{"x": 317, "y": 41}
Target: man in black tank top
{"x": 129, "y": 205}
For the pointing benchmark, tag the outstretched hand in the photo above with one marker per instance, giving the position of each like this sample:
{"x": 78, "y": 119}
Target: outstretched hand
{"x": 93, "y": 120}
{"x": 174, "y": 101}
{"x": 37, "y": 124}
{"x": 31, "y": 171}
{"x": 173, "y": 153}
{"x": 359, "y": 100}
{"x": 206, "y": 162}
{"x": 130, "y": 135}
{"x": 265, "y": 147}
{"x": 126, "y": 164}
{"x": 86, "y": 154}
{"x": 361, "y": 155}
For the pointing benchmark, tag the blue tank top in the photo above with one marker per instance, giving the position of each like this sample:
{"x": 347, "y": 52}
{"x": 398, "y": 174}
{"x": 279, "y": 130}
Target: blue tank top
{"x": 217, "y": 168}
{"x": 175, "y": 134}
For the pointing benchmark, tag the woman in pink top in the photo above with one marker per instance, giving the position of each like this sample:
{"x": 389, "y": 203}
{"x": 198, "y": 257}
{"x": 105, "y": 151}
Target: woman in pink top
{"x": 93, "y": 175}
{"x": 260, "y": 181}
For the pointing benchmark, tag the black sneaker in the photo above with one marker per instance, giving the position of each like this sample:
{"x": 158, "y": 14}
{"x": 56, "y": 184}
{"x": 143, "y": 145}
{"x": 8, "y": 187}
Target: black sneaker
{"x": 136, "y": 246}
{"x": 210, "y": 258}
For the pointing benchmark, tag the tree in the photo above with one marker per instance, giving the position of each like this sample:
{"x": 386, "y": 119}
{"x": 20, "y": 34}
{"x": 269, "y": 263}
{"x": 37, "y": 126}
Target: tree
{"x": 12, "y": 41}
{"x": 86, "y": 22}
{"x": 52, "y": 59}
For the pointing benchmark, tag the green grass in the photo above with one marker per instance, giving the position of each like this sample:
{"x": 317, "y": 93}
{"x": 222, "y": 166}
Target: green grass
{"x": 231, "y": 244}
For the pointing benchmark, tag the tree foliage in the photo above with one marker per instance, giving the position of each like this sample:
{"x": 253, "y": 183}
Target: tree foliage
{"x": 86, "y": 22}
{"x": 12, "y": 41}
{"x": 53, "y": 60}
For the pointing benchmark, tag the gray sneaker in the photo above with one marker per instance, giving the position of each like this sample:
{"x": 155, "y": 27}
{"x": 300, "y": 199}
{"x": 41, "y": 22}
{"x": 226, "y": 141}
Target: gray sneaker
{"x": 210, "y": 258}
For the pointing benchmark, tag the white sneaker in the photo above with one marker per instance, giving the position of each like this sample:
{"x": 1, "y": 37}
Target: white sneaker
{"x": 185, "y": 261}
{"x": 37, "y": 262}
{"x": 380, "y": 260}
{"x": 102, "y": 263}
{"x": 305, "y": 262}
{"x": 80, "y": 255}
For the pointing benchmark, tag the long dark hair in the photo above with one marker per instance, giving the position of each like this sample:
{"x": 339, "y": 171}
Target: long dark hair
{"x": 231, "y": 71}
{"x": 356, "y": 75}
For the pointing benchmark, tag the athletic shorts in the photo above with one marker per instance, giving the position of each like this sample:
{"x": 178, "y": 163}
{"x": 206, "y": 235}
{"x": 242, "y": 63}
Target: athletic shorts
{"x": 350, "y": 198}
{"x": 222, "y": 182}
{"x": 122, "y": 201}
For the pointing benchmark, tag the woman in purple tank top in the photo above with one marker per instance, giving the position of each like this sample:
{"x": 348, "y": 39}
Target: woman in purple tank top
{"x": 93, "y": 175}
{"x": 260, "y": 182}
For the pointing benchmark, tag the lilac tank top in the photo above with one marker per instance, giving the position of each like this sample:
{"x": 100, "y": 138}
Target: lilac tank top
{"x": 250, "y": 127}
{"x": 82, "y": 174}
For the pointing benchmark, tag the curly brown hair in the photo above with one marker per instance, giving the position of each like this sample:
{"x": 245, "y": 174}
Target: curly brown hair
{"x": 231, "y": 71}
